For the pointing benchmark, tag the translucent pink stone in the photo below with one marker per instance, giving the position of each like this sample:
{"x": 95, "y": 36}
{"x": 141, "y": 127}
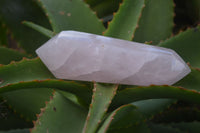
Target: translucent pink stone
{"x": 82, "y": 56}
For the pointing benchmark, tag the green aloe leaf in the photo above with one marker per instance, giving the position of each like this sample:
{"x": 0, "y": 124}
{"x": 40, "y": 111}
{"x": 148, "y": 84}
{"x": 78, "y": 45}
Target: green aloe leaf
{"x": 70, "y": 96}
{"x": 28, "y": 70}
{"x": 25, "y": 70}
{"x": 14, "y": 12}
{"x": 79, "y": 89}
{"x": 31, "y": 100}
{"x": 60, "y": 114}
{"x": 101, "y": 99}
{"x": 123, "y": 26}
{"x": 7, "y": 55}
{"x": 48, "y": 33}
{"x": 124, "y": 119}
{"x": 186, "y": 44}
{"x": 154, "y": 92}
{"x": 71, "y": 15}
{"x": 156, "y": 22}
{"x": 37, "y": 92}
{"x": 151, "y": 107}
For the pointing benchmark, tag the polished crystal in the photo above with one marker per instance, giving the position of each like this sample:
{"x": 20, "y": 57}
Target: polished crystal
{"x": 82, "y": 56}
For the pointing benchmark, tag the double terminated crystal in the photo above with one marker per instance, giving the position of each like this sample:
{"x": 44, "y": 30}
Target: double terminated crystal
{"x": 82, "y": 56}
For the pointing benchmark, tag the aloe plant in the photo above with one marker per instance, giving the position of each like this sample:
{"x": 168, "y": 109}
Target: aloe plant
{"x": 33, "y": 100}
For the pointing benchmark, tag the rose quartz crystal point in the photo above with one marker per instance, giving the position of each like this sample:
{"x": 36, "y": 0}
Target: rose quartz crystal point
{"x": 82, "y": 56}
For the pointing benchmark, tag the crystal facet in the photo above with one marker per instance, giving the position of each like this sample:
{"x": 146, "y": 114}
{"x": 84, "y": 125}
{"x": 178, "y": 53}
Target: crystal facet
{"x": 82, "y": 56}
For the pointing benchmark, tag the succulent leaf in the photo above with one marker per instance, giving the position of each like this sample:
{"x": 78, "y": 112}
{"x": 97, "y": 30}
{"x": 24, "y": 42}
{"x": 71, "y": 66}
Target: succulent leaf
{"x": 71, "y": 15}
{"x": 154, "y": 92}
{"x": 124, "y": 119}
{"x": 101, "y": 99}
{"x": 79, "y": 89}
{"x": 7, "y": 55}
{"x": 123, "y": 26}
{"x": 48, "y": 33}
{"x": 156, "y": 22}
{"x": 61, "y": 112}
{"x": 151, "y": 107}
{"x": 25, "y": 70}
{"x": 31, "y": 100}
